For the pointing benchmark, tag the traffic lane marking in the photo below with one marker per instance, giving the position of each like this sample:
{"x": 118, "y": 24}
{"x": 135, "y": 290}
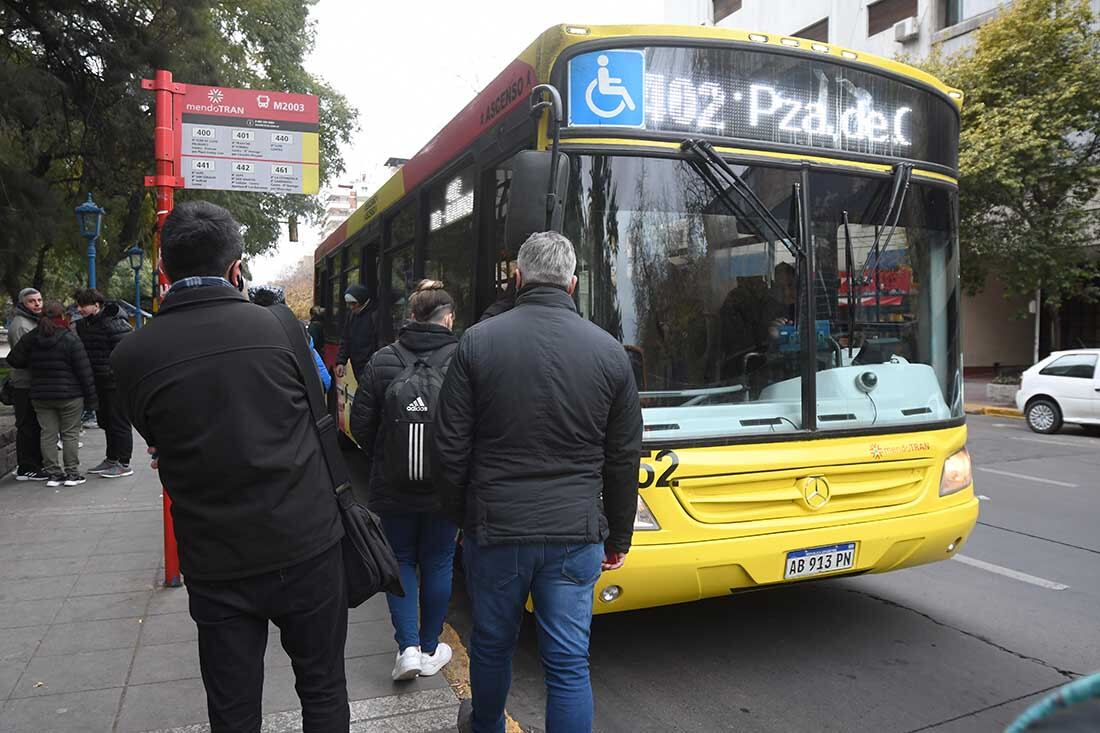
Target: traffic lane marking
{"x": 1010, "y": 573}
{"x": 1026, "y": 477}
{"x": 1073, "y": 443}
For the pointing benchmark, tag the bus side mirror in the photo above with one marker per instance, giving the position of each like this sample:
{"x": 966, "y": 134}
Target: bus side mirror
{"x": 531, "y": 197}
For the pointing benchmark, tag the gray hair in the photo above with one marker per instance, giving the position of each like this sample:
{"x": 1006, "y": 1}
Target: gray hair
{"x": 26, "y": 292}
{"x": 547, "y": 257}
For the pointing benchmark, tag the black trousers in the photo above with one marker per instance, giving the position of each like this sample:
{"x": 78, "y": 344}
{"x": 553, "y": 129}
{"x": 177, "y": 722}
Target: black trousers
{"x": 308, "y": 602}
{"x": 28, "y": 446}
{"x": 120, "y": 436}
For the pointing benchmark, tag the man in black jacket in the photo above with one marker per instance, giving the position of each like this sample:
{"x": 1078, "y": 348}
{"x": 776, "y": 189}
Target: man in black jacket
{"x": 359, "y": 339}
{"x": 101, "y": 329}
{"x": 212, "y": 383}
{"x": 537, "y": 443}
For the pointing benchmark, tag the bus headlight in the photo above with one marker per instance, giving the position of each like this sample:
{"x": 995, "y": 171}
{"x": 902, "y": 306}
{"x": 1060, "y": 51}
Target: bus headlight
{"x": 643, "y": 518}
{"x": 957, "y": 474}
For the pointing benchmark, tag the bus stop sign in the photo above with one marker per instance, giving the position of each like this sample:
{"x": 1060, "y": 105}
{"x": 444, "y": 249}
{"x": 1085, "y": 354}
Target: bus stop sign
{"x": 248, "y": 140}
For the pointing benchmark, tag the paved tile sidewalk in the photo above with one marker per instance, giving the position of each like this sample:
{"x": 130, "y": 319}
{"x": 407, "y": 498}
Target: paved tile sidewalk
{"x": 90, "y": 640}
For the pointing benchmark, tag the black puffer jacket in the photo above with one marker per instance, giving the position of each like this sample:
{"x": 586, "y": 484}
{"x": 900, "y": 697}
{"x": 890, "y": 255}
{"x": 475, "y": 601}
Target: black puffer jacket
{"x": 58, "y": 364}
{"x": 359, "y": 339}
{"x": 539, "y": 430}
{"x": 100, "y": 335}
{"x": 367, "y": 417}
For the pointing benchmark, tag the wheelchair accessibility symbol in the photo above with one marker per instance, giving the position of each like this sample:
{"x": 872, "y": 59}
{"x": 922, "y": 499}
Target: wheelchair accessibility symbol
{"x": 607, "y": 88}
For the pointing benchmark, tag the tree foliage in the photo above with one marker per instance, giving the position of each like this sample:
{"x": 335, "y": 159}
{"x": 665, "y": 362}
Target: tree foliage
{"x": 297, "y": 284}
{"x": 1030, "y": 149}
{"x": 73, "y": 117}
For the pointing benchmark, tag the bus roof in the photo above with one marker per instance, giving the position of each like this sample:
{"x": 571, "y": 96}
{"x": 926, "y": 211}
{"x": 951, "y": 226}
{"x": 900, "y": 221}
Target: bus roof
{"x": 511, "y": 88}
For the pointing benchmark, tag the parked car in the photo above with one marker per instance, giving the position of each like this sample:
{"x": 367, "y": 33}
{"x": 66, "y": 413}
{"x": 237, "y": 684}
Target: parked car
{"x": 1062, "y": 388}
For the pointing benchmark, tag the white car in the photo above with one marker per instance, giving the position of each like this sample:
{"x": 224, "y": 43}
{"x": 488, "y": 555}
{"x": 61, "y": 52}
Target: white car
{"x": 1064, "y": 387}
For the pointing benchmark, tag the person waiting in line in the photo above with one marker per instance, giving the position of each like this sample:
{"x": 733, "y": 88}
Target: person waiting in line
{"x": 102, "y": 328}
{"x": 396, "y": 398}
{"x": 28, "y": 446}
{"x": 213, "y": 387}
{"x": 62, "y": 385}
{"x": 316, "y": 328}
{"x": 536, "y": 451}
{"x": 359, "y": 339}
{"x": 269, "y": 295}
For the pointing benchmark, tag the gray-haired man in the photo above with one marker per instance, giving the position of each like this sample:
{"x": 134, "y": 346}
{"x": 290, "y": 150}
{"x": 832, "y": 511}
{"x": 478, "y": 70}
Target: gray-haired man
{"x": 546, "y": 402}
{"x": 27, "y": 431}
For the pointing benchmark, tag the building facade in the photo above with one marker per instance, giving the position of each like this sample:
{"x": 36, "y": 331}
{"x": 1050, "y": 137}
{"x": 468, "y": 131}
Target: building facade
{"x": 340, "y": 200}
{"x": 998, "y": 332}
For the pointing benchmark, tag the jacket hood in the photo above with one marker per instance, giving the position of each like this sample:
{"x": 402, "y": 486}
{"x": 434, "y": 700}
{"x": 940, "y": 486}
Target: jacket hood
{"x": 109, "y": 311}
{"x": 51, "y": 341}
{"x": 21, "y": 310}
{"x": 425, "y": 336}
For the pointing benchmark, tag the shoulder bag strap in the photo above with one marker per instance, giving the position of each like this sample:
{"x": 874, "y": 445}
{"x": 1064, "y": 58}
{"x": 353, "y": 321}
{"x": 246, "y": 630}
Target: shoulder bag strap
{"x": 307, "y": 372}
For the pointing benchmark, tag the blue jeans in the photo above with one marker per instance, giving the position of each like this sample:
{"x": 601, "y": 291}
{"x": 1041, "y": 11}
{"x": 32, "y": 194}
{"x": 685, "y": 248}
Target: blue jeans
{"x": 561, "y": 579}
{"x": 426, "y": 542}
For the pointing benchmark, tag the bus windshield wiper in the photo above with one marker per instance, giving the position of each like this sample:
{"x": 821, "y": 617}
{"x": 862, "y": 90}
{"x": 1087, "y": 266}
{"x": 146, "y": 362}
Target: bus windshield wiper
{"x": 903, "y": 173}
{"x": 721, "y": 178}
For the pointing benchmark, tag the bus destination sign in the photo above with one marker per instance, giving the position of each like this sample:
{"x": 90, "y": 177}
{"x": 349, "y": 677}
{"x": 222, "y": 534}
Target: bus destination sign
{"x": 249, "y": 140}
{"x": 756, "y": 95}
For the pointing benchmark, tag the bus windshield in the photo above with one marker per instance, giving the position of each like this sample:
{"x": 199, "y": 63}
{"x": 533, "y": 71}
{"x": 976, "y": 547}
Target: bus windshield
{"x": 708, "y": 302}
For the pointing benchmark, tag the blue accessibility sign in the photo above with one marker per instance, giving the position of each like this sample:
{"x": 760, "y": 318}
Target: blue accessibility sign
{"x": 607, "y": 88}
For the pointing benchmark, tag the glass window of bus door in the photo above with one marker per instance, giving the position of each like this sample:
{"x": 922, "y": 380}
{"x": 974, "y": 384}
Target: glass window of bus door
{"x": 335, "y": 294}
{"x": 502, "y": 259}
{"x": 400, "y": 268}
{"x": 692, "y": 290}
{"x": 888, "y": 350}
{"x": 449, "y": 256}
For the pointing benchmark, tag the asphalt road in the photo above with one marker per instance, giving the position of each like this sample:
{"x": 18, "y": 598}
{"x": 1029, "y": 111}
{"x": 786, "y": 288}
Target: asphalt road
{"x": 963, "y": 645}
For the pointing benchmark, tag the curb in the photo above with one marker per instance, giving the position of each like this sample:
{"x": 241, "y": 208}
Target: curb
{"x": 994, "y": 411}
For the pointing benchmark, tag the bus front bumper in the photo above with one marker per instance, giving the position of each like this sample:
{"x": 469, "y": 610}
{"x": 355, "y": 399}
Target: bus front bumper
{"x": 658, "y": 575}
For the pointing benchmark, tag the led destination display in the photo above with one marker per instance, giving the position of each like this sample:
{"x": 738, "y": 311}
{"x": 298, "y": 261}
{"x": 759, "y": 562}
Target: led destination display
{"x": 768, "y": 97}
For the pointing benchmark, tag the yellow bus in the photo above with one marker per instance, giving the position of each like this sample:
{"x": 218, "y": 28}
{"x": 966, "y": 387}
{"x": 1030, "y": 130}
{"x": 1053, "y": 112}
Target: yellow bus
{"x": 768, "y": 224}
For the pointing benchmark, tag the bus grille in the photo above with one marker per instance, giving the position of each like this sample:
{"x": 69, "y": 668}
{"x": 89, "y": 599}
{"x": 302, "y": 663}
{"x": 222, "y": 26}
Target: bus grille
{"x": 780, "y": 494}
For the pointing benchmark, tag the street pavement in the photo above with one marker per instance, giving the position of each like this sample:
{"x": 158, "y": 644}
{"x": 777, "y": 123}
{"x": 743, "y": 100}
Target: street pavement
{"x": 963, "y": 645}
{"x": 91, "y": 641}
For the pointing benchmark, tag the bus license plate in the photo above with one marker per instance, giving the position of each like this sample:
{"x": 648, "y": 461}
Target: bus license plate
{"x": 818, "y": 560}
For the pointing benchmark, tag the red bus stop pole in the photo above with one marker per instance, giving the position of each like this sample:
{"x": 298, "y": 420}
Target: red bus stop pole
{"x": 166, "y": 180}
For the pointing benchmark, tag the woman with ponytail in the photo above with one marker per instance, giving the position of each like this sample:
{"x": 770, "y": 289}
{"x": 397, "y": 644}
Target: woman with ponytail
{"x": 62, "y": 385}
{"x": 392, "y": 422}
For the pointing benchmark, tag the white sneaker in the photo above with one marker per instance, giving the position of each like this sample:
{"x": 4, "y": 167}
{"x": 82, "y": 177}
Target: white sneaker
{"x": 432, "y": 663}
{"x": 407, "y": 665}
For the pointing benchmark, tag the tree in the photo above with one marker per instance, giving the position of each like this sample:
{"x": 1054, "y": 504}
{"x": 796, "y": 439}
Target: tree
{"x": 73, "y": 117}
{"x": 1029, "y": 157}
{"x": 297, "y": 284}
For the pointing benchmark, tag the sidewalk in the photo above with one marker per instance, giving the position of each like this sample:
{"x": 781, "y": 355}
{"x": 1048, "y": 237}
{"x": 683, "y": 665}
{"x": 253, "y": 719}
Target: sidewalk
{"x": 977, "y": 403}
{"x": 91, "y": 641}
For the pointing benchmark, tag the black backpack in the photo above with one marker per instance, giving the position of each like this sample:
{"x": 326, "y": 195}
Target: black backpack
{"x": 409, "y": 410}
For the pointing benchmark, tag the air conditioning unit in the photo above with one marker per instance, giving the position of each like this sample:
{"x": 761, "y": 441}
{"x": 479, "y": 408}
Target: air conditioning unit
{"x": 906, "y": 30}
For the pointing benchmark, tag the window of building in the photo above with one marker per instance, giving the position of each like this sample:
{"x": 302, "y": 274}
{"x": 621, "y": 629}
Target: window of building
{"x": 1082, "y": 366}
{"x": 819, "y": 31}
{"x": 449, "y": 255}
{"x": 882, "y": 15}
{"x": 725, "y": 8}
{"x": 954, "y": 12}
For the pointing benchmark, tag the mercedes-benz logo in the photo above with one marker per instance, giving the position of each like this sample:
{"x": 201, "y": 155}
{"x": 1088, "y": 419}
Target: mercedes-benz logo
{"x": 815, "y": 491}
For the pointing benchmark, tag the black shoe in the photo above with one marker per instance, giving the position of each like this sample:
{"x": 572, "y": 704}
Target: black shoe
{"x": 55, "y": 480}
{"x": 74, "y": 479}
{"x": 32, "y": 476}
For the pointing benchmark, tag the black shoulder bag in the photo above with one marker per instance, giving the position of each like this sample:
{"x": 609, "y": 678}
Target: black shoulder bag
{"x": 369, "y": 563}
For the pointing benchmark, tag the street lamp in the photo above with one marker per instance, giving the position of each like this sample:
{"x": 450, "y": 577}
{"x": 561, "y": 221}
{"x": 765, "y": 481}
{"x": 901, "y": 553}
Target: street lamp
{"x": 136, "y": 256}
{"x": 90, "y": 218}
